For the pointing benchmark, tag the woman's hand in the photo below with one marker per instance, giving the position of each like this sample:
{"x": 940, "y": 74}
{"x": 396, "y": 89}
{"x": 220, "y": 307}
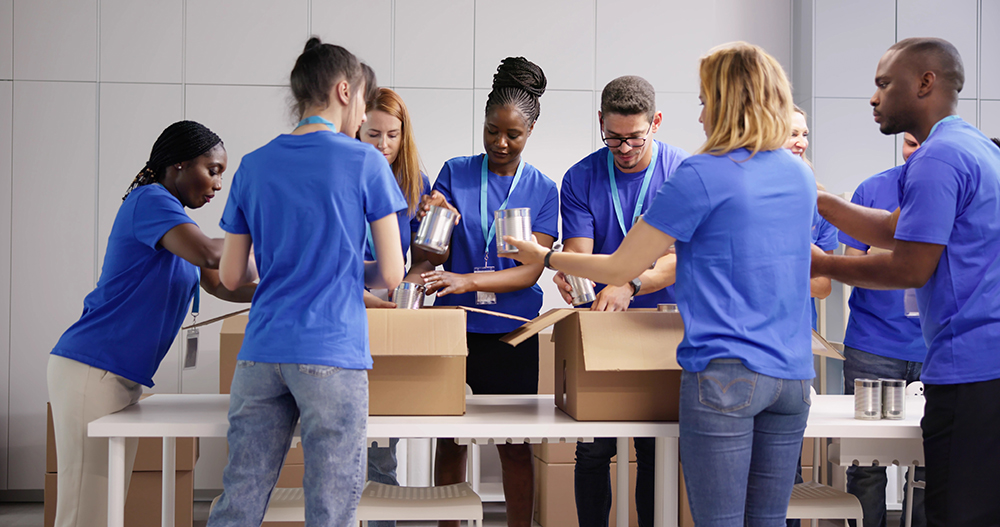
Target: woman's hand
{"x": 437, "y": 199}
{"x": 374, "y": 302}
{"x": 527, "y": 252}
{"x": 445, "y": 283}
{"x": 565, "y": 289}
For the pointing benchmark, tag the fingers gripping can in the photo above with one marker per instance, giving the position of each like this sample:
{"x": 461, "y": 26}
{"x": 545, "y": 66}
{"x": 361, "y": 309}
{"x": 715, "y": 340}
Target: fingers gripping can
{"x": 515, "y": 223}
{"x": 408, "y": 295}
{"x": 583, "y": 290}
{"x": 435, "y": 230}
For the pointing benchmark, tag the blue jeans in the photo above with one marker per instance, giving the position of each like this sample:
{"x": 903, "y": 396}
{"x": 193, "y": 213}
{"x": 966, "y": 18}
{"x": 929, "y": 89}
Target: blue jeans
{"x": 741, "y": 433}
{"x": 592, "y": 480}
{"x": 382, "y": 469}
{"x": 868, "y": 483}
{"x": 265, "y": 405}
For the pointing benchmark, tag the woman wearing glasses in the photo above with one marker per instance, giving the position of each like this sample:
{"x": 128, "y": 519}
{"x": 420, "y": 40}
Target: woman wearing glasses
{"x": 740, "y": 213}
{"x": 475, "y": 276}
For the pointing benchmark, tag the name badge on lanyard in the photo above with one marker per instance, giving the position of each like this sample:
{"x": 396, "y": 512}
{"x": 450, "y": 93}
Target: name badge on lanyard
{"x": 191, "y": 347}
{"x": 646, "y": 178}
{"x": 488, "y": 297}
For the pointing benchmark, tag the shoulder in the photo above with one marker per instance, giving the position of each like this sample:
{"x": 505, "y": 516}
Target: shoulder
{"x": 671, "y": 154}
{"x": 882, "y": 179}
{"x": 537, "y": 178}
{"x": 153, "y": 194}
{"x": 588, "y": 167}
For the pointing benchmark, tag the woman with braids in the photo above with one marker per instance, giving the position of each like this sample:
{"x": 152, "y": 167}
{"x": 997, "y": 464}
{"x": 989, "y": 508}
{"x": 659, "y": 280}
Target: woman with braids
{"x": 740, "y": 212}
{"x": 475, "y": 276}
{"x": 301, "y": 203}
{"x": 129, "y": 321}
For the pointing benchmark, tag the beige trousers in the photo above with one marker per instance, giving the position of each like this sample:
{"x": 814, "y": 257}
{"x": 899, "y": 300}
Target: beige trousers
{"x": 80, "y": 394}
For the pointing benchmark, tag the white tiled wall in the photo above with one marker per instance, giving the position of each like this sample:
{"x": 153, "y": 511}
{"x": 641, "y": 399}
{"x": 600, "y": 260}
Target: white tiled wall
{"x": 850, "y": 37}
{"x": 6, "y": 39}
{"x": 55, "y": 40}
{"x": 141, "y": 41}
{"x": 361, "y": 27}
{"x": 847, "y": 146}
{"x": 955, "y": 21}
{"x": 989, "y": 118}
{"x": 989, "y": 74}
{"x": 433, "y": 44}
{"x": 446, "y": 124}
{"x": 6, "y": 128}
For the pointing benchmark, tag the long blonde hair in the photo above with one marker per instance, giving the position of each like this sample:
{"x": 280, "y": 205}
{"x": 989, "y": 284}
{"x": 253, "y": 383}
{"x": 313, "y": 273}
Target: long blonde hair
{"x": 406, "y": 167}
{"x": 747, "y": 98}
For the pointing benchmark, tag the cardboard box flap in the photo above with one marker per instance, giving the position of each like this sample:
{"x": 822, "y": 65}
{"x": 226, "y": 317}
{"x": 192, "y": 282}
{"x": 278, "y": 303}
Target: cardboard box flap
{"x": 235, "y": 325}
{"x": 630, "y": 340}
{"x": 821, "y": 347}
{"x": 417, "y": 332}
{"x": 535, "y": 326}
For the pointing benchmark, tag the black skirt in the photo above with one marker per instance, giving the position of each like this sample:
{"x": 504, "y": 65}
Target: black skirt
{"x": 494, "y": 367}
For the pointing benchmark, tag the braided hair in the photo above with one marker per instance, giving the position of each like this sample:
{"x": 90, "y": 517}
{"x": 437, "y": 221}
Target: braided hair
{"x": 181, "y": 141}
{"x": 518, "y": 82}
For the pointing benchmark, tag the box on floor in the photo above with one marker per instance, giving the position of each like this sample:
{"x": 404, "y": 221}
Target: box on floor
{"x": 555, "y": 501}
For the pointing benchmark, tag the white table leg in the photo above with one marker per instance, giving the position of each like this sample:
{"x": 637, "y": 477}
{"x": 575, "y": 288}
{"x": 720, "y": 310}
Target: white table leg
{"x": 665, "y": 497}
{"x": 116, "y": 482}
{"x": 418, "y": 462}
{"x": 169, "y": 482}
{"x": 621, "y": 506}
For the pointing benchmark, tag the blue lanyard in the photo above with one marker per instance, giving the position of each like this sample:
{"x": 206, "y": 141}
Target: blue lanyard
{"x": 483, "y": 191}
{"x": 196, "y": 305}
{"x": 315, "y": 119}
{"x": 945, "y": 120}
{"x": 368, "y": 236}
{"x": 642, "y": 191}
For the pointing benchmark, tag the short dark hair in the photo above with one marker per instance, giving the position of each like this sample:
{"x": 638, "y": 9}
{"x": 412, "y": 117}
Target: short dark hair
{"x": 518, "y": 82}
{"x": 371, "y": 86}
{"x": 996, "y": 141}
{"x": 934, "y": 54}
{"x": 317, "y": 69}
{"x": 629, "y": 95}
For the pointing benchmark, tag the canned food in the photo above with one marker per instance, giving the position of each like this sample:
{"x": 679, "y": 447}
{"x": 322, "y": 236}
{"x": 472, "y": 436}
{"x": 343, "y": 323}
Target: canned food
{"x": 435, "y": 230}
{"x": 893, "y": 398}
{"x": 515, "y": 223}
{"x": 583, "y": 290}
{"x": 408, "y": 295}
{"x": 667, "y": 308}
{"x": 867, "y": 399}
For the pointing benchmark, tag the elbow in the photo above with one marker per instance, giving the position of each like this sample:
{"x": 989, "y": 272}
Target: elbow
{"x": 211, "y": 256}
{"x": 230, "y": 278}
{"x": 392, "y": 277}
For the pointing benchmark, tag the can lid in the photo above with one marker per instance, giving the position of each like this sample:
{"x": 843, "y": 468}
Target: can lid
{"x": 895, "y": 383}
{"x": 867, "y": 383}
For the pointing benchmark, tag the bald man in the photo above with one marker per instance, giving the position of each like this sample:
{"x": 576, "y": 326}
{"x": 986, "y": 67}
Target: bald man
{"x": 945, "y": 240}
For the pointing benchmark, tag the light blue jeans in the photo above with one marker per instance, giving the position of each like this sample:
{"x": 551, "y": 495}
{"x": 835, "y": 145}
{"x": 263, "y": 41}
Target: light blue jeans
{"x": 266, "y": 402}
{"x": 382, "y": 469}
{"x": 741, "y": 433}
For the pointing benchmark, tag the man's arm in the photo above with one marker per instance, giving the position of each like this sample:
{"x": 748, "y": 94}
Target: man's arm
{"x": 874, "y": 227}
{"x": 909, "y": 265}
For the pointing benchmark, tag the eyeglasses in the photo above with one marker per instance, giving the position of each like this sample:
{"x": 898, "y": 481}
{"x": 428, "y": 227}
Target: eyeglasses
{"x": 633, "y": 142}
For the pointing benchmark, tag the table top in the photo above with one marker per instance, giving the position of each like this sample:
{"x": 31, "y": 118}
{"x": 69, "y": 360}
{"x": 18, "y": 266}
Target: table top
{"x": 515, "y": 417}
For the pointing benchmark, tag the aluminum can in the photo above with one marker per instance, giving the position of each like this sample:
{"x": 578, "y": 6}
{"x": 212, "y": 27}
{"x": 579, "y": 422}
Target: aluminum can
{"x": 893, "y": 398}
{"x": 434, "y": 233}
{"x": 667, "y": 308}
{"x": 583, "y": 290}
{"x": 408, "y": 295}
{"x": 512, "y": 222}
{"x": 867, "y": 399}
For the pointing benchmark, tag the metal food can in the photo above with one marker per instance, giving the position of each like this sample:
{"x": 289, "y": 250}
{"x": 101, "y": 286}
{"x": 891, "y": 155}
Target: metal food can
{"x": 667, "y": 308}
{"x": 867, "y": 399}
{"x": 515, "y": 223}
{"x": 583, "y": 290}
{"x": 893, "y": 398}
{"x": 408, "y": 295}
{"x": 434, "y": 233}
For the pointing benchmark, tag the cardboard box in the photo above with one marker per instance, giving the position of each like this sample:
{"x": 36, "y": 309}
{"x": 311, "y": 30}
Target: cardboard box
{"x": 566, "y": 452}
{"x": 291, "y": 476}
{"x": 619, "y": 366}
{"x": 555, "y": 501}
{"x": 148, "y": 455}
{"x": 143, "y": 503}
{"x": 546, "y": 363}
{"x": 419, "y": 358}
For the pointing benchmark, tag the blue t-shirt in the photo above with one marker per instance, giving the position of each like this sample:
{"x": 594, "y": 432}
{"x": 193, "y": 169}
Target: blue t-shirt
{"x": 824, "y": 236}
{"x": 878, "y": 322}
{"x": 743, "y": 262}
{"x": 304, "y": 200}
{"x": 459, "y": 182}
{"x": 588, "y": 210}
{"x": 141, "y": 299}
{"x": 408, "y": 224}
{"x": 950, "y": 195}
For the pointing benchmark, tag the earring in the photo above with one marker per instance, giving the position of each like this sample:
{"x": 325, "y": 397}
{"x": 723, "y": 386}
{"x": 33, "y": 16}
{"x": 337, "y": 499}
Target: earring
{"x": 179, "y": 167}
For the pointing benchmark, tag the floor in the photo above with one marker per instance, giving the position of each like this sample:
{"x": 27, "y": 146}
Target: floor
{"x": 30, "y": 515}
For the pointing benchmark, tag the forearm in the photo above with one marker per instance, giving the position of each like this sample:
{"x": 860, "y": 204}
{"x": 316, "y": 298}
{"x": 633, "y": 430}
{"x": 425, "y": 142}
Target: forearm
{"x": 418, "y": 268}
{"x": 507, "y": 280}
{"x": 212, "y": 285}
{"x": 662, "y": 275}
{"x": 875, "y": 271}
{"x": 820, "y": 287}
{"x": 874, "y": 227}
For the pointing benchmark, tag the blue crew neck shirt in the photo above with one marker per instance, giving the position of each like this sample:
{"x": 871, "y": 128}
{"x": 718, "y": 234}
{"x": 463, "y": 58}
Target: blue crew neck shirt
{"x": 878, "y": 323}
{"x": 459, "y": 182}
{"x": 408, "y": 224}
{"x": 133, "y": 315}
{"x": 304, "y": 201}
{"x": 742, "y": 226}
{"x": 589, "y": 212}
{"x": 949, "y": 194}
{"x": 824, "y": 236}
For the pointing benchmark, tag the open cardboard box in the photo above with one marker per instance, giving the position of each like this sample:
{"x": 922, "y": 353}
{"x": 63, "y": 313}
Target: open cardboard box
{"x": 419, "y": 359}
{"x": 619, "y": 366}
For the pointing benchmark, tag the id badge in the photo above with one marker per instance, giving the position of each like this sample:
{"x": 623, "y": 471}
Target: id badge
{"x": 485, "y": 297}
{"x": 191, "y": 349}
{"x": 910, "y": 303}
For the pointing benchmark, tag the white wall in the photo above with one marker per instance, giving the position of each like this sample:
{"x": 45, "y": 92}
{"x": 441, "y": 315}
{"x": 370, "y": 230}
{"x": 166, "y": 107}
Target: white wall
{"x": 87, "y": 85}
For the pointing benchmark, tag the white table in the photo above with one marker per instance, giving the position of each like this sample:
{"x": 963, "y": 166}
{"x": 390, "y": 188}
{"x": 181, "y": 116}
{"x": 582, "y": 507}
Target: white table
{"x": 524, "y": 418}
{"x": 488, "y": 418}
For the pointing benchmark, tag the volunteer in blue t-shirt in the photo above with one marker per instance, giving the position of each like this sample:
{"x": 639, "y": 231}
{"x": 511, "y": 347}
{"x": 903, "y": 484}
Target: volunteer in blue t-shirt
{"x": 945, "y": 240}
{"x": 475, "y": 276}
{"x": 740, "y": 213}
{"x": 602, "y": 197}
{"x": 300, "y": 202}
{"x": 881, "y": 342}
{"x": 129, "y": 321}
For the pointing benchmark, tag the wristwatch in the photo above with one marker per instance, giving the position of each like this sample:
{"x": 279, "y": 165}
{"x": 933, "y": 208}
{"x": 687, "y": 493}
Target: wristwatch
{"x": 636, "y": 286}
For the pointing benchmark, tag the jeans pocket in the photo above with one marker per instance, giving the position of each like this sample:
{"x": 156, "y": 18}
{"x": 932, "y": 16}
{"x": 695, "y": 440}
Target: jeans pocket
{"x": 245, "y": 363}
{"x": 807, "y": 392}
{"x": 726, "y": 386}
{"x": 318, "y": 370}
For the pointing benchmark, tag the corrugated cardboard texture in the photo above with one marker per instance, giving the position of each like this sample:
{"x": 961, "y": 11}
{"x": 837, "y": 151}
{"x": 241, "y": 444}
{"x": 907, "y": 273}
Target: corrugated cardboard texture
{"x": 143, "y": 503}
{"x": 546, "y": 364}
{"x": 230, "y": 342}
{"x": 417, "y": 332}
{"x": 555, "y": 502}
{"x": 417, "y": 385}
{"x": 541, "y": 322}
{"x": 148, "y": 455}
{"x": 821, "y": 347}
{"x": 630, "y": 340}
{"x": 291, "y": 476}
